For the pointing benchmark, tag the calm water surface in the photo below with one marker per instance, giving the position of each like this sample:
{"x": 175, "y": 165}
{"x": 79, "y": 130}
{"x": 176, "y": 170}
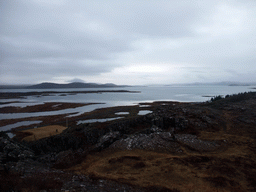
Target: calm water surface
{"x": 147, "y": 94}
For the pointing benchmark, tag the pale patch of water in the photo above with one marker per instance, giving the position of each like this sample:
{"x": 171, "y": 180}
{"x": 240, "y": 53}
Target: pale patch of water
{"x": 19, "y": 124}
{"x": 57, "y": 105}
{"x": 144, "y": 112}
{"x": 145, "y": 106}
{"x": 97, "y": 120}
{"x": 11, "y": 135}
{"x": 122, "y": 113}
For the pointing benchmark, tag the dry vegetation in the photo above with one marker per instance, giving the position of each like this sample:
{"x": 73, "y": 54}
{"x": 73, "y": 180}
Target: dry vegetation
{"x": 228, "y": 122}
{"x": 42, "y": 132}
{"x": 223, "y": 170}
{"x": 232, "y": 167}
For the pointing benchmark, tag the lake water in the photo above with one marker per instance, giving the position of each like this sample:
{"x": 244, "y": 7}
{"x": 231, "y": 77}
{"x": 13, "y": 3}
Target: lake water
{"x": 147, "y": 94}
{"x": 144, "y": 112}
{"x": 19, "y": 124}
{"x": 97, "y": 120}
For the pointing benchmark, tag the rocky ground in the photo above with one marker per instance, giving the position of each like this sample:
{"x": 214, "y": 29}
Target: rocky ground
{"x": 179, "y": 147}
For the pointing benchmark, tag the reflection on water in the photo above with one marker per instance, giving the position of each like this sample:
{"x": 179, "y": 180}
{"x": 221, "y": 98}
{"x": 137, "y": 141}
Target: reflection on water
{"x": 122, "y": 113}
{"x": 144, "y": 112}
{"x": 19, "y": 124}
{"x": 97, "y": 120}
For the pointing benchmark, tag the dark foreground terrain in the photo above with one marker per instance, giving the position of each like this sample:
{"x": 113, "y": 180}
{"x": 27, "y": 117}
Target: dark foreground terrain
{"x": 179, "y": 147}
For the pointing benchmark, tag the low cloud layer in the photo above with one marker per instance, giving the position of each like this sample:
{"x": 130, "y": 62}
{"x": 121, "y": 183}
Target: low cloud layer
{"x": 127, "y": 42}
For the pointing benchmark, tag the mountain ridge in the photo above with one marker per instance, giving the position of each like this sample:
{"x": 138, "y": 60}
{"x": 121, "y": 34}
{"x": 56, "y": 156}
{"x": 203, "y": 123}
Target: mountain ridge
{"x": 49, "y": 85}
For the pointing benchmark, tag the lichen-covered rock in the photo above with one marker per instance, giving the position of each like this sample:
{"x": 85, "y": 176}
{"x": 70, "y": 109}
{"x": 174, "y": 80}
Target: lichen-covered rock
{"x": 160, "y": 141}
{"x": 107, "y": 139}
{"x": 12, "y": 151}
{"x": 194, "y": 143}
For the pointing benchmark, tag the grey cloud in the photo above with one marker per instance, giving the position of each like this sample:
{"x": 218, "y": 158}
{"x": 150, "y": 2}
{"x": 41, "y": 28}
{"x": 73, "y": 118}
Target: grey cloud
{"x": 88, "y": 38}
{"x": 55, "y": 68}
{"x": 150, "y": 18}
{"x": 34, "y": 31}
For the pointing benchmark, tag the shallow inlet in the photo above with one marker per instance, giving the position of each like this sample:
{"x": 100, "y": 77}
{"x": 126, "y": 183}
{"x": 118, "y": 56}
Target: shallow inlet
{"x": 19, "y": 124}
{"x": 77, "y": 111}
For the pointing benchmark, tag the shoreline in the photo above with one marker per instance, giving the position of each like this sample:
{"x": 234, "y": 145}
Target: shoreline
{"x": 45, "y": 107}
{"x": 207, "y": 146}
{"x": 61, "y": 119}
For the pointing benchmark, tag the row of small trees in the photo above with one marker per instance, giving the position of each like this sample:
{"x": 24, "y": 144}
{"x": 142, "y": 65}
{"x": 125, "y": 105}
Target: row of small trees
{"x": 235, "y": 97}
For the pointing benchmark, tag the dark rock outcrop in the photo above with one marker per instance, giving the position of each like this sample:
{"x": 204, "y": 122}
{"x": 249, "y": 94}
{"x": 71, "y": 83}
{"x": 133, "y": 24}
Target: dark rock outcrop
{"x": 107, "y": 140}
{"x": 14, "y": 151}
{"x": 56, "y": 144}
{"x": 149, "y": 139}
{"x": 192, "y": 142}
{"x": 11, "y": 151}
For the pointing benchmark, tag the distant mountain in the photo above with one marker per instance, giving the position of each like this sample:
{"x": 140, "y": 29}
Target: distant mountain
{"x": 72, "y": 85}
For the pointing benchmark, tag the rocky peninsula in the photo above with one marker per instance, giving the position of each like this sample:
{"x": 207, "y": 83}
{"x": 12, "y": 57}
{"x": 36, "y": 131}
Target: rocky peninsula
{"x": 208, "y": 146}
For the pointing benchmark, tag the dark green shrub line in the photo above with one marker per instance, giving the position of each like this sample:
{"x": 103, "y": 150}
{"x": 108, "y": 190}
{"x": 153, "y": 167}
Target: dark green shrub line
{"x": 234, "y": 97}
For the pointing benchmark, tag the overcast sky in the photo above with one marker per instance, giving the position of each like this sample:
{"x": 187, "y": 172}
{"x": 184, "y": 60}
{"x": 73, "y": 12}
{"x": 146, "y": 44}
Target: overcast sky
{"x": 127, "y": 41}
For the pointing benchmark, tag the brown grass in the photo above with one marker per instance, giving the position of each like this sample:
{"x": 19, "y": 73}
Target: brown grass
{"x": 147, "y": 169}
{"x": 231, "y": 167}
{"x": 42, "y": 132}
